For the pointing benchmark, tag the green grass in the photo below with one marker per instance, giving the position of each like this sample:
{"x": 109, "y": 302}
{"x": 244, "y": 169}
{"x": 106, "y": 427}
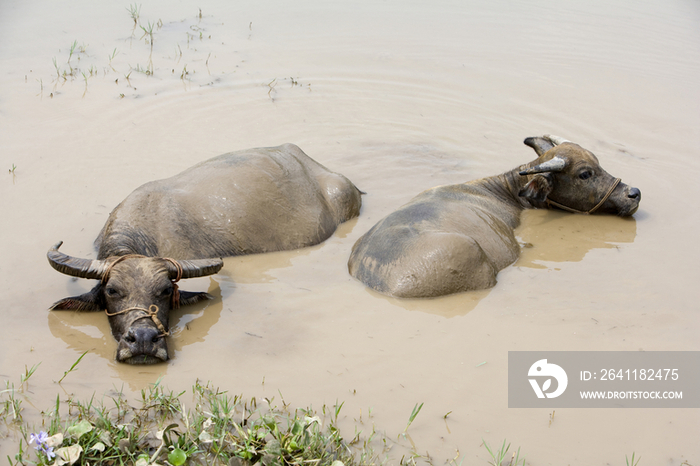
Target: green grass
{"x": 135, "y": 13}
{"x": 632, "y": 462}
{"x": 220, "y": 429}
{"x": 217, "y": 429}
{"x": 75, "y": 63}
{"x": 72, "y": 368}
{"x": 499, "y": 457}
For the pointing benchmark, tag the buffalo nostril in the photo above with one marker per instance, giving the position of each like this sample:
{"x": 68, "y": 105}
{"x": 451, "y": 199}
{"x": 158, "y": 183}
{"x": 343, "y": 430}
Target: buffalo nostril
{"x": 634, "y": 193}
{"x": 143, "y": 335}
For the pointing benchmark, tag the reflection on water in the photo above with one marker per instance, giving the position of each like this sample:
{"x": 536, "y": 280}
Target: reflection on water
{"x": 344, "y": 229}
{"x": 550, "y": 236}
{"x": 445, "y": 306}
{"x": 192, "y": 324}
{"x": 259, "y": 268}
{"x": 87, "y": 331}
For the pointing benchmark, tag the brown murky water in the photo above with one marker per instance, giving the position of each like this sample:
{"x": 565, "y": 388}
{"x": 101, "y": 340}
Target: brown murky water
{"x": 399, "y": 97}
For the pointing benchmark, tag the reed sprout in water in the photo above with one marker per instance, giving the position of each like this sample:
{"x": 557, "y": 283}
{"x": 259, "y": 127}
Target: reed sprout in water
{"x": 632, "y": 462}
{"x": 73, "y": 367}
{"x": 135, "y": 12}
{"x": 75, "y": 62}
{"x": 500, "y": 457}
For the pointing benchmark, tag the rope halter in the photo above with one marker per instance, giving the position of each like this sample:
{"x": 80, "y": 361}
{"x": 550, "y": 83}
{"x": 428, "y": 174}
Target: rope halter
{"x": 152, "y": 311}
{"x": 551, "y": 203}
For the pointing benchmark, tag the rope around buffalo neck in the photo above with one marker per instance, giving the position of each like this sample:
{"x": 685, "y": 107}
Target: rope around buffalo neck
{"x": 596, "y": 207}
{"x": 152, "y": 310}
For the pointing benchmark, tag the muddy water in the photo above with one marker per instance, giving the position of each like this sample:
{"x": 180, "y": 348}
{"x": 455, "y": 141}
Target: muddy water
{"x": 399, "y": 97}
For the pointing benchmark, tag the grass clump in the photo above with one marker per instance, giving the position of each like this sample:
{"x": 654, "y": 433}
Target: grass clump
{"x": 500, "y": 457}
{"x": 157, "y": 429}
{"x": 220, "y": 429}
{"x": 632, "y": 462}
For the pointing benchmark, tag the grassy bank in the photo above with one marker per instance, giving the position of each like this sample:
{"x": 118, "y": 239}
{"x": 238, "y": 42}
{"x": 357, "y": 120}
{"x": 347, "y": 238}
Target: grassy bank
{"x": 160, "y": 429}
{"x": 206, "y": 426}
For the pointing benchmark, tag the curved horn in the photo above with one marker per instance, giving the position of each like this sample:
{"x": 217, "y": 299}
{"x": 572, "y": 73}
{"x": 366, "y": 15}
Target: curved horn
{"x": 556, "y": 164}
{"x": 195, "y": 268}
{"x": 74, "y": 266}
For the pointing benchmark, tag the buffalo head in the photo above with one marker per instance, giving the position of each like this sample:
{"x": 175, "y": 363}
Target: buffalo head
{"x": 137, "y": 294}
{"x": 569, "y": 177}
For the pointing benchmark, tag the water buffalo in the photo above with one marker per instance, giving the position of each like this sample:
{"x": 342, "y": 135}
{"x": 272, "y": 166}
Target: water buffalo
{"x": 246, "y": 202}
{"x": 456, "y": 238}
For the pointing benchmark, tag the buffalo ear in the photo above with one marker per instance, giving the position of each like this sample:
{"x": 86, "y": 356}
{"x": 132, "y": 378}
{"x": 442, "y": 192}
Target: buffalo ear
{"x": 191, "y": 297}
{"x": 540, "y": 144}
{"x": 538, "y": 188}
{"x": 88, "y": 302}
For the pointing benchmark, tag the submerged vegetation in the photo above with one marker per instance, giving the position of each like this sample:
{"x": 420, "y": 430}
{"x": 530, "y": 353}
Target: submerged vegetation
{"x": 80, "y": 61}
{"x": 174, "y": 50}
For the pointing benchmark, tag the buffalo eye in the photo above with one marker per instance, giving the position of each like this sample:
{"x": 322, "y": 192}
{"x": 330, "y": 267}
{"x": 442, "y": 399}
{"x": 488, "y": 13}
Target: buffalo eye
{"x": 111, "y": 292}
{"x": 166, "y": 291}
{"x": 585, "y": 175}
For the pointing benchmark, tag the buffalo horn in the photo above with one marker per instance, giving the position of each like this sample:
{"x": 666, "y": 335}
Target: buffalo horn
{"x": 74, "y": 266}
{"x": 556, "y": 164}
{"x": 195, "y": 268}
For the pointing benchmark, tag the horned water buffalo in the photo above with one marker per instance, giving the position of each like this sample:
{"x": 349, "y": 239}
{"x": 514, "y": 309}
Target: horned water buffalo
{"x": 456, "y": 238}
{"x": 246, "y": 202}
